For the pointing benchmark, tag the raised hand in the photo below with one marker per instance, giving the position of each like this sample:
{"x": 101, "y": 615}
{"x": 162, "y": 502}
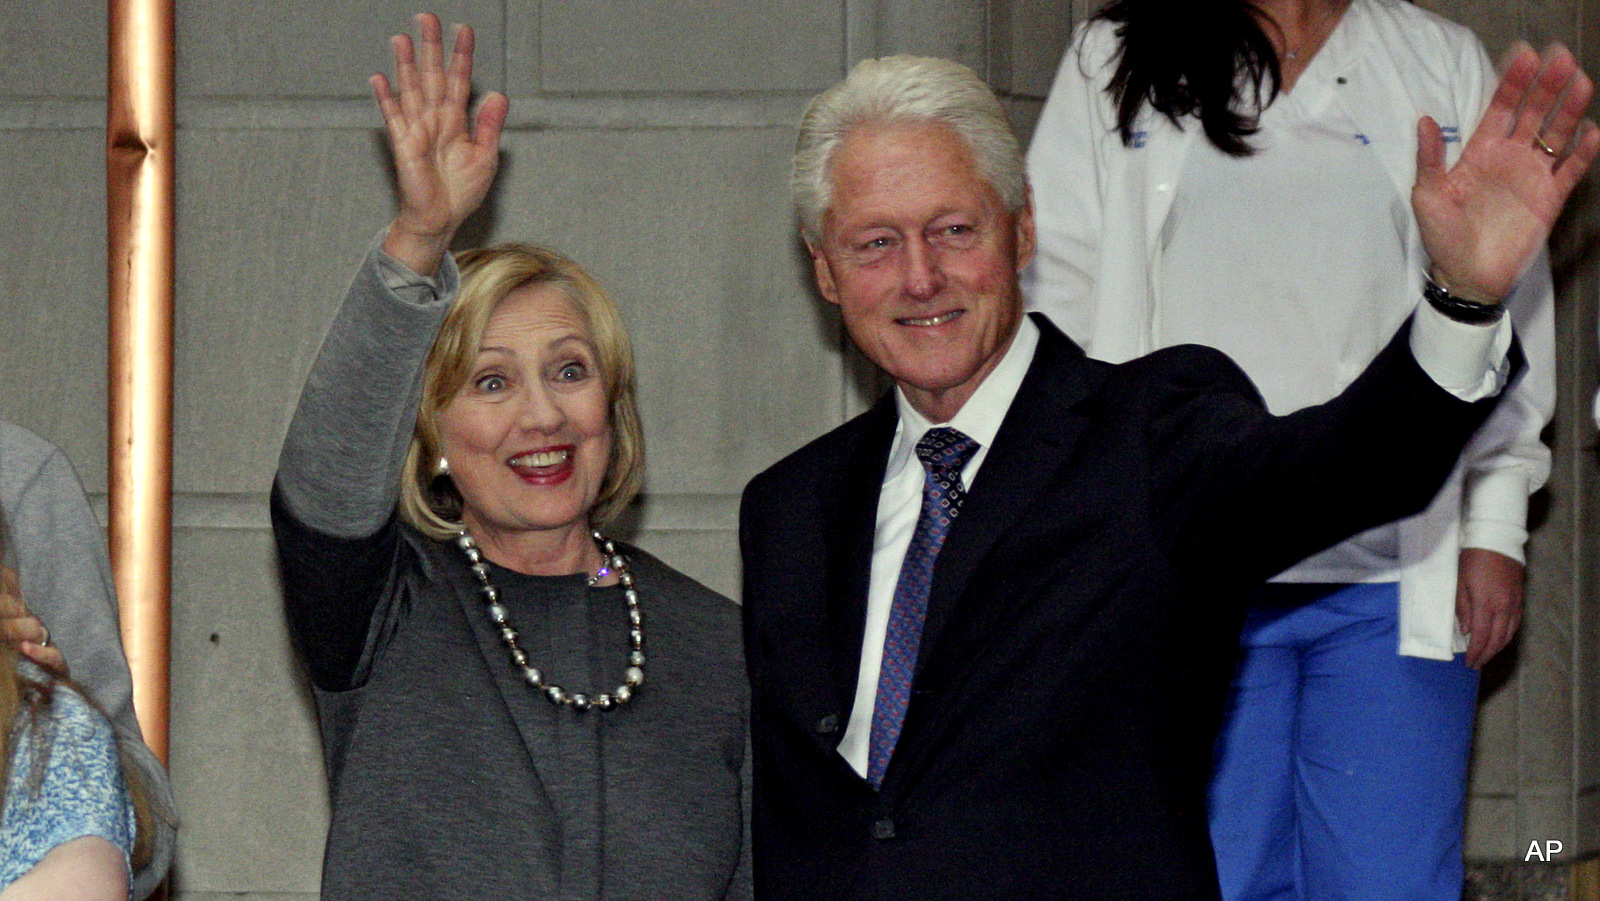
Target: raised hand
{"x": 444, "y": 161}
{"x": 1483, "y": 219}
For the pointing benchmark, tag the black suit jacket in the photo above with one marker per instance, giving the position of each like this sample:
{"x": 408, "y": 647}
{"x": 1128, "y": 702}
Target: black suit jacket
{"x": 1081, "y": 629}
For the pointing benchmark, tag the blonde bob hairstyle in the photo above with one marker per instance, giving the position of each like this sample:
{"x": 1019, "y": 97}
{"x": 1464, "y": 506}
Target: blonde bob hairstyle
{"x": 429, "y": 501}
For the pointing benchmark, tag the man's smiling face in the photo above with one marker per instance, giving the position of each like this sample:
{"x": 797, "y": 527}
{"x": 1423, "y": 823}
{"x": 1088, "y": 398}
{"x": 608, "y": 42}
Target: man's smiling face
{"x": 921, "y": 255}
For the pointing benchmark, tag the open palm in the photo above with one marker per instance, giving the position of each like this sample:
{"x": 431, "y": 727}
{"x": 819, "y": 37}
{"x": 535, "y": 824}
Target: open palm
{"x": 1483, "y": 219}
{"x": 444, "y": 160}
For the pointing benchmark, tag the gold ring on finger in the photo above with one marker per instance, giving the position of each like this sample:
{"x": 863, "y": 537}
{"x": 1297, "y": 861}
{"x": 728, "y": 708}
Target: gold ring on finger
{"x": 1538, "y": 140}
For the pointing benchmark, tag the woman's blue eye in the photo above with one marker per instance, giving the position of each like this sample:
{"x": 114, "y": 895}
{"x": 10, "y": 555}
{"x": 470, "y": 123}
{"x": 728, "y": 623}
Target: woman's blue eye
{"x": 491, "y": 383}
{"x": 572, "y": 372}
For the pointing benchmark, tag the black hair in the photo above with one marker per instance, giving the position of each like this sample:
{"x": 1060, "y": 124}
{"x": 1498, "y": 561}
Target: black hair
{"x": 1209, "y": 59}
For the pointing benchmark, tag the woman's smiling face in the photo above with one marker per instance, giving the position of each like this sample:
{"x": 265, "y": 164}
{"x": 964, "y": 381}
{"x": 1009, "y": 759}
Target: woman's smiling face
{"x": 528, "y": 436}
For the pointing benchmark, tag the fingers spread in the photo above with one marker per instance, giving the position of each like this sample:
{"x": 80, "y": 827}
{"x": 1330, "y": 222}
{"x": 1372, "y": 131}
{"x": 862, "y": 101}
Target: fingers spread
{"x": 1517, "y": 49}
{"x": 430, "y": 59}
{"x": 1430, "y": 152}
{"x": 1566, "y": 118}
{"x": 387, "y": 104}
{"x": 423, "y": 86}
{"x": 1541, "y": 105}
{"x": 1521, "y": 68}
{"x": 1581, "y": 151}
{"x": 491, "y": 118}
{"x": 405, "y": 72}
{"x": 460, "y": 81}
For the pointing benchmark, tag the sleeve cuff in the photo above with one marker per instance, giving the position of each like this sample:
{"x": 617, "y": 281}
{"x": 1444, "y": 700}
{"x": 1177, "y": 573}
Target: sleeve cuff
{"x": 1500, "y": 537}
{"x": 1495, "y": 512}
{"x": 1469, "y": 361}
{"x": 419, "y": 290}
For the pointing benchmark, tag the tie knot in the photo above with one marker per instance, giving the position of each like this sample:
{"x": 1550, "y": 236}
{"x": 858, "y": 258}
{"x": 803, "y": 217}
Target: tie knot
{"x": 945, "y": 448}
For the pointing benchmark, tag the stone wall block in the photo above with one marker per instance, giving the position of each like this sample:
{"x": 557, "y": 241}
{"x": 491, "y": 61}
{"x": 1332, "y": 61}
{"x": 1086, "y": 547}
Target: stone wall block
{"x": 1031, "y": 37}
{"x": 1545, "y": 655}
{"x": 246, "y": 760}
{"x": 1495, "y": 758}
{"x": 709, "y": 557}
{"x": 53, "y": 294}
{"x": 1579, "y": 355}
{"x": 326, "y": 49}
{"x": 1491, "y": 828}
{"x": 271, "y": 227}
{"x": 652, "y": 46}
{"x": 954, "y": 29}
{"x": 53, "y": 51}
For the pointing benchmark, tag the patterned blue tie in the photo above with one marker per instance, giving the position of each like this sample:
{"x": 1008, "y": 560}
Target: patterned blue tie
{"x": 943, "y": 451}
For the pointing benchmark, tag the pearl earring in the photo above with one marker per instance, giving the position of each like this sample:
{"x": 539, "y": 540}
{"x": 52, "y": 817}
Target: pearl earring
{"x": 443, "y": 467}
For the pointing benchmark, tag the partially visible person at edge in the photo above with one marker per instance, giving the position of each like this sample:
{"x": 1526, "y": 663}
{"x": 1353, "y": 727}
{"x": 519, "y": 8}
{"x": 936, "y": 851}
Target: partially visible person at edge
{"x": 1237, "y": 174}
{"x": 73, "y": 825}
{"x": 990, "y": 623}
{"x": 61, "y": 590}
{"x": 478, "y": 650}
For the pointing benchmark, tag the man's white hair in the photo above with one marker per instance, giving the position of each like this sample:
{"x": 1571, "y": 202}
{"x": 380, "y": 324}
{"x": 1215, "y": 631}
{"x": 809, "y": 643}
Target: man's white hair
{"x": 896, "y": 90}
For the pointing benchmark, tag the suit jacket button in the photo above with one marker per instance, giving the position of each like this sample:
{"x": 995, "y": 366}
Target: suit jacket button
{"x": 883, "y": 828}
{"x": 828, "y": 725}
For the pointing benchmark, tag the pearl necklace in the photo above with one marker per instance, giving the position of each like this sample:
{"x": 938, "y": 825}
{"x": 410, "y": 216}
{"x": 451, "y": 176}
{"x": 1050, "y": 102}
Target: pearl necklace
{"x": 611, "y": 562}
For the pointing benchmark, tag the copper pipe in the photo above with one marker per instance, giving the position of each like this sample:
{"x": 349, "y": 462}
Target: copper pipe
{"x": 139, "y": 212}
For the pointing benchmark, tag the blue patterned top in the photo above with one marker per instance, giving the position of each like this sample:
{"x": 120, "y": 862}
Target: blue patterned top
{"x": 82, "y": 792}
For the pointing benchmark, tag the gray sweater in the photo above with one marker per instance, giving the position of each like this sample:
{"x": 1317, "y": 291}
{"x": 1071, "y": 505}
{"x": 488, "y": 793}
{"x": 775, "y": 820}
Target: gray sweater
{"x": 56, "y": 547}
{"x": 450, "y": 777}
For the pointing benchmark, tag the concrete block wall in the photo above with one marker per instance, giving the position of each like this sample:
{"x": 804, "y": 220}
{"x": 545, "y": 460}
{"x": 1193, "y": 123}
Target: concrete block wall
{"x": 648, "y": 140}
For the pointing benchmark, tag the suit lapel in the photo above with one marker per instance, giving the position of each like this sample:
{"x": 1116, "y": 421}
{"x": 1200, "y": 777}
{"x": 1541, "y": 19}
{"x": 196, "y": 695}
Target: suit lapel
{"x": 1035, "y": 439}
{"x": 852, "y": 535}
{"x": 513, "y": 692}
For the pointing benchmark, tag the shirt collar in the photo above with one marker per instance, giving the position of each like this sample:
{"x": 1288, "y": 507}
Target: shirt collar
{"x": 980, "y": 417}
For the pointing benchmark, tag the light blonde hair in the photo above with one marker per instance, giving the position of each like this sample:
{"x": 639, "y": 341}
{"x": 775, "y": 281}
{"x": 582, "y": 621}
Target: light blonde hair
{"x": 904, "y": 89}
{"x": 429, "y": 501}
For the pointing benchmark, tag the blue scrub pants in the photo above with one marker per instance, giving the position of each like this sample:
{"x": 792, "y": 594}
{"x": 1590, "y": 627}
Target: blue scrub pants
{"x": 1341, "y": 768}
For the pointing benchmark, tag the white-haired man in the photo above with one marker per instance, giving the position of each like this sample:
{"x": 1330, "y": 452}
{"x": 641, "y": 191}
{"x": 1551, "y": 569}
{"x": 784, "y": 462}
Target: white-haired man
{"x": 989, "y": 623}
